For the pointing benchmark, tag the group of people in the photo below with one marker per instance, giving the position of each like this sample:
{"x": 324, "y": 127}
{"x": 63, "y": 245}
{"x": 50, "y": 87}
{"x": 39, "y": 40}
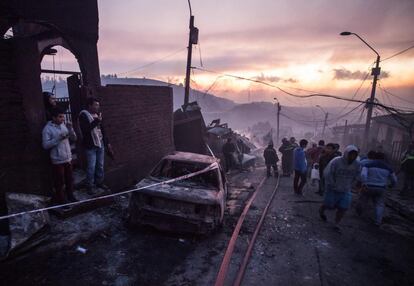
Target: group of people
{"x": 57, "y": 136}
{"x": 339, "y": 174}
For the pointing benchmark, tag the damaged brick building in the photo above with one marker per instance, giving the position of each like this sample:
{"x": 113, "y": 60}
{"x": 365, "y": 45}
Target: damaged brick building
{"x": 138, "y": 119}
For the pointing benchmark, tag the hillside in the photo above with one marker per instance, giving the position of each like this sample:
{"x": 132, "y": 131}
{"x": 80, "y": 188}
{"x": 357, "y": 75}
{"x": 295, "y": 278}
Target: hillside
{"x": 208, "y": 102}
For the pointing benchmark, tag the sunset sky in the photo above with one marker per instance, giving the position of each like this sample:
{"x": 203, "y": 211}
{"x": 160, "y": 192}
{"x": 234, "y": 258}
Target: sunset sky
{"x": 287, "y": 43}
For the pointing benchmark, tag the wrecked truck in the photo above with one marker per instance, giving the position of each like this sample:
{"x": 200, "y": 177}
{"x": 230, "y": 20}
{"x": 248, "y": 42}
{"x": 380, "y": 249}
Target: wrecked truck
{"x": 193, "y": 205}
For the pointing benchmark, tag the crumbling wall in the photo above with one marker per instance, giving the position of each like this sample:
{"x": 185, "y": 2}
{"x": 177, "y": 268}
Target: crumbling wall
{"x": 24, "y": 165}
{"x": 138, "y": 121}
{"x": 76, "y": 21}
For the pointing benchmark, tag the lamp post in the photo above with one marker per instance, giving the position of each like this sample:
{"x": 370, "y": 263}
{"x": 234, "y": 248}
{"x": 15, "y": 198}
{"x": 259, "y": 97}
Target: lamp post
{"x": 375, "y": 72}
{"x": 278, "y": 119}
{"x": 326, "y": 119}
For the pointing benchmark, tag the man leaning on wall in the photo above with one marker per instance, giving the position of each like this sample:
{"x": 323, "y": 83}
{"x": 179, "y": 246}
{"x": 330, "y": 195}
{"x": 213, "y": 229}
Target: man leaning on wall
{"x": 95, "y": 142}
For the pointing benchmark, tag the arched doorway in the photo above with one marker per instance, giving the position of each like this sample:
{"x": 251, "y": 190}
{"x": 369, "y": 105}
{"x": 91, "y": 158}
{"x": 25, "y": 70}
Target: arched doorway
{"x": 61, "y": 79}
{"x": 57, "y": 65}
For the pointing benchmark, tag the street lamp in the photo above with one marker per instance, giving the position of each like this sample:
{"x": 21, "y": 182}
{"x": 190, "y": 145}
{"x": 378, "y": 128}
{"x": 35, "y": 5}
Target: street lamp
{"x": 326, "y": 119}
{"x": 375, "y": 72}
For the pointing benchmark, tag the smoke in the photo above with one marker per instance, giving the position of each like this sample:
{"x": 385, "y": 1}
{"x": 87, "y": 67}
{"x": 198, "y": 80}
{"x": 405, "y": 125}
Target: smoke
{"x": 344, "y": 74}
{"x": 263, "y": 77}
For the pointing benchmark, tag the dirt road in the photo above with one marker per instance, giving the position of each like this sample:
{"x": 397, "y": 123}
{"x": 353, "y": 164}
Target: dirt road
{"x": 293, "y": 248}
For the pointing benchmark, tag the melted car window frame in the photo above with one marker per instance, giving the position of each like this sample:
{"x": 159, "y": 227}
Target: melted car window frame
{"x": 170, "y": 169}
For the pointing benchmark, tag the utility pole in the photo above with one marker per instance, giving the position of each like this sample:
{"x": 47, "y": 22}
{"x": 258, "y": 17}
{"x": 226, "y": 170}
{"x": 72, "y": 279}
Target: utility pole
{"x": 370, "y": 103}
{"x": 278, "y": 122}
{"x": 279, "y": 108}
{"x": 325, "y": 123}
{"x": 344, "y": 138}
{"x": 192, "y": 40}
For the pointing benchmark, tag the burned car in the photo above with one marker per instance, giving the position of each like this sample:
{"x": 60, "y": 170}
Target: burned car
{"x": 194, "y": 205}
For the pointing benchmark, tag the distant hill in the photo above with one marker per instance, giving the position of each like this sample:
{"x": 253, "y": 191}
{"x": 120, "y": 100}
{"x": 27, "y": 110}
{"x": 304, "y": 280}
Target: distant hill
{"x": 208, "y": 102}
{"x": 299, "y": 118}
{"x": 238, "y": 116}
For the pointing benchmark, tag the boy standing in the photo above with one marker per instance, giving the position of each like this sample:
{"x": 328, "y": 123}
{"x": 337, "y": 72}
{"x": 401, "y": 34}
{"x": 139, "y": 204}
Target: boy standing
{"x": 55, "y": 138}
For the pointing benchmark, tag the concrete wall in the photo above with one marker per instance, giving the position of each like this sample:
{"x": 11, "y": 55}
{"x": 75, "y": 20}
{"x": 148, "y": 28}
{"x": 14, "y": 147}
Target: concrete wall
{"x": 138, "y": 121}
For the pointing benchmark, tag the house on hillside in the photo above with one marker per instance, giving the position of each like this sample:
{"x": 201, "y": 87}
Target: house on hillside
{"x": 393, "y": 133}
{"x": 349, "y": 134}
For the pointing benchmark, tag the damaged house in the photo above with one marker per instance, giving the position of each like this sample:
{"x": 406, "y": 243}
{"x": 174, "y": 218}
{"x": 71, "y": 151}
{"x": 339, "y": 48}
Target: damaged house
{"x": 138, "y": 119}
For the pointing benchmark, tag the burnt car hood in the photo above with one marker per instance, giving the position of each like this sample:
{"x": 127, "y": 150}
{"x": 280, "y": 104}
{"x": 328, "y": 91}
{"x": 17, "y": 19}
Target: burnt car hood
{"x": 181, "y": 192}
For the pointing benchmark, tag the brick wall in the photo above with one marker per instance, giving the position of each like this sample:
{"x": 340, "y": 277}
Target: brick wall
{"x": 24, "y": 164}
{"x": 138, "y": 121}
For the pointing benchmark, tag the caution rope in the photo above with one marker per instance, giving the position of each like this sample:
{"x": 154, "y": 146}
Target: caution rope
{"x": 211, "y": 167}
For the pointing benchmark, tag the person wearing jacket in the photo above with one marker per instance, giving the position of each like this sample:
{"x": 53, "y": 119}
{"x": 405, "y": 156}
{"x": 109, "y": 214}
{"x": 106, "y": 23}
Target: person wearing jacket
{"x": 326, "y": 157}
{"x": 95, "y": 143}
{"x": 407, "y": 167}
{"x": 300, "y": 167}
{"x": 55, "y": 139}
{"x": 228, "y": 150}
{"x": 271, "y": 160}
{"x": 287, "y": 157}
{"x": 340, "y": 175}
{"x": 376, "y": 175}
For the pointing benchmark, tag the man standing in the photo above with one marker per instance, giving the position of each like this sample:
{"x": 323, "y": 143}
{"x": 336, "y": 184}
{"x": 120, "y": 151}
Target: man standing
{"x": 94, "y": 141}
{"x": 287, "y": 156}
{"x": 312, "y": 157}
{"x": 55, "y": 138}
{"x": 326, "y": 157}
{"x": 271, "y": 160}
{"x": 340, "y": 176}
{"x": 375, "y": 177}
{"x": 228, "y": 150}
{"x": 283, "y": 149}
{"x": 407, "y": 167}
{"x": 300, "y": 167}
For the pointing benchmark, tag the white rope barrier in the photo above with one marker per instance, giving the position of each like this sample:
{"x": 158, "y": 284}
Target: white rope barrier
{"x": 212, "y": 166}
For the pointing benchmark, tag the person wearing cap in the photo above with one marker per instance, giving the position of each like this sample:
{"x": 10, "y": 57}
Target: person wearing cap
{"x": 340, "y": 176}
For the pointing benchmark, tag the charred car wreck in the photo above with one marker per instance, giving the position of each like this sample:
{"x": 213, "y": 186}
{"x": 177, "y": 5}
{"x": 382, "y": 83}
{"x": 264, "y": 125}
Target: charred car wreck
{"x": 193, "y": 205}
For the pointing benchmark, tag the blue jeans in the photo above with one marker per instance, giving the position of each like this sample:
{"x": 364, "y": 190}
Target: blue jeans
{"x": 95, "y": 166}
{"x": 377, "y": 195}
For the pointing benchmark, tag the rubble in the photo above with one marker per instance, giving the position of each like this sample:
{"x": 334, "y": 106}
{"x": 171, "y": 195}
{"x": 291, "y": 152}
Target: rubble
{"x": 28, "y": 230}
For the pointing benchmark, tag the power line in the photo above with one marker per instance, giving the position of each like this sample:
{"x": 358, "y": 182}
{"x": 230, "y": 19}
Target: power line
{"x": 394, "y": 95}
{"x": 302, "y": 96}
{"x": 331, "y": 119}
{"x": 253, "y": 80}
{"x": 153, "y": 63}
{"x": 298, "y": 121}
{"x": 397, "y": 54}
{"x": 360, "y": 86}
